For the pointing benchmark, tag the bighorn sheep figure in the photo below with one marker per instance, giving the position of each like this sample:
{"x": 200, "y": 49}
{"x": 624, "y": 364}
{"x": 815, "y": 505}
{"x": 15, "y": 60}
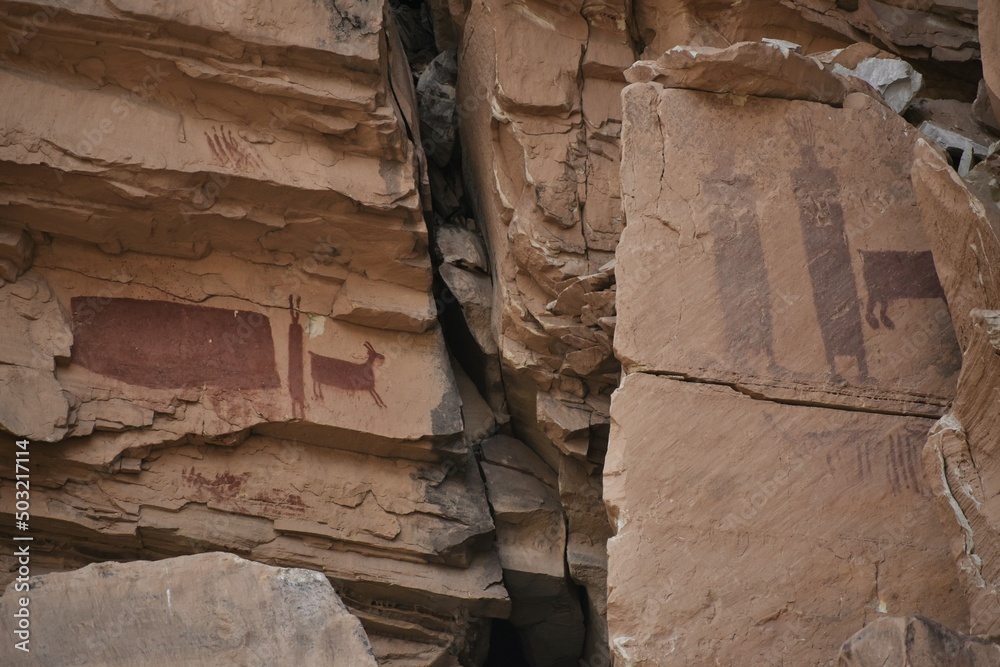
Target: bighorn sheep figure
{"x": 345, "y": 374}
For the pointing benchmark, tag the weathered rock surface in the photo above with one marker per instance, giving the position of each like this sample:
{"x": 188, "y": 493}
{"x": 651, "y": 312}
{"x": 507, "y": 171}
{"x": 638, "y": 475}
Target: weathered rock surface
{"x": 540, "y": 147}
{"x": 660, "y": 25}
{"x": 205, "y": 610}
{"x": 942, "y": 30}
{"x": 337, "y": 286}
{"x": 533, "y": 147}
{"x": 959, "y": 456}
{"x": 746, "y": 68}
{"x": 540, "y": 142}
{"x": 915, "y": 641}
{"x": 531, "y": 541}
{"x": 219, "y": 365}
{"x": 220, "y": 216}
{"x": 753, "y": 68}
{"x": 787, "y": 526}
{"x": 217, "y": 303}
{"x": 784, "y": 338}
{"x": 410, "y": 533}
{"x": 894, "y": 78}
{"x": 989, "y": 32}
{"x": 737, "y": 298}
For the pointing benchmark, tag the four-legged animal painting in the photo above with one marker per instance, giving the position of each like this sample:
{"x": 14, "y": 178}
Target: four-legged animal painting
{"x": 891, "y": 275}
{"x": 346, "y": 375}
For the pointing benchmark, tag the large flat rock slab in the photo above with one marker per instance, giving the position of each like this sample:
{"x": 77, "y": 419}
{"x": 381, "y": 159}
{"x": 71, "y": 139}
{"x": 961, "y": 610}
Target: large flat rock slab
{"x": 750, "y": 532}
{"x": 215, "y": 227}
{"x": 150, "y": 350}
{"x": 216, "y": 299}
{"x": 779, "y": 266}
{"x": 218, "y": 130}
{"x": 205, "y": 610}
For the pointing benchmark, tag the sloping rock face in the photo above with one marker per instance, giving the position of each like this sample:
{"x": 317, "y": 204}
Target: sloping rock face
{"x": 346, "y": 514}
{"x": 205, "y": 610}
{"x": 661, "y": 25}
{"x": 531, "y": 147}
{"x": 959, "y": 453}
{"x": 217, "y": 306}
{"x": 989, "y": 29}
{"x": 785, "y": 339}
{"x": 255, "y": 182}
{"x": 915, "y": 641}
{"x": 943, "y": 31}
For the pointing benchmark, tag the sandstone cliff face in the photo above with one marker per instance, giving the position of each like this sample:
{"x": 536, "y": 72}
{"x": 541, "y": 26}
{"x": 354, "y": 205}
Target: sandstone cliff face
{"x": 349, "y": 287}
{"x": 774, "y": 450}
{"x": 217, "y": 307}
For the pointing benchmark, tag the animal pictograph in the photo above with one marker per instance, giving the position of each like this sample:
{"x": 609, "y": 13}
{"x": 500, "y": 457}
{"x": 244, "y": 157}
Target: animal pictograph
{"x": 346, "y": 375}
{"x": 891, "y": 275}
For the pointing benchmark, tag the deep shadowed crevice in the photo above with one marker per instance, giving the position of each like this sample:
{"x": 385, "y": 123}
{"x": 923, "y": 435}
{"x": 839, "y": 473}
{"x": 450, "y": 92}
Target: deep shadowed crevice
{"x": 416, "y": 32}
{"x": 505, "y": 646}
{"x": 549, "y": 623}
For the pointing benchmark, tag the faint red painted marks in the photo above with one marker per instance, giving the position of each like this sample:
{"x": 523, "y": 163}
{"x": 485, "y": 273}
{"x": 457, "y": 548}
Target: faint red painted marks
{"x": 223, "y": 486}
{"x": 863, "y": 450}
{"x": 740, "y": 267}
{"x": 346, "y": 375}
{"x": 231, "y": 151}
{"x": 281, "y": 499}
{"x": 228, "y": 487}
{"x": 903, "y": 467}
{"x": 866, "y": 456}
{"x": 162, "y": 344}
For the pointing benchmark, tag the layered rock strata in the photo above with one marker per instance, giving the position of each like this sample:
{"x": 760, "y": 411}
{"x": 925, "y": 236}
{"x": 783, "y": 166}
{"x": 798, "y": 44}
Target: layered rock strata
{"x": 929, "y": 29}
{"x": 217, "y": 305}
{"x": 540, "y": 147}
{"x": 220, "y": 314}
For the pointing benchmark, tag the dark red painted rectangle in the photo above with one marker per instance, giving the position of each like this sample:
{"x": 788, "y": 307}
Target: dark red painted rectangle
{"x": 162, "y": 344}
